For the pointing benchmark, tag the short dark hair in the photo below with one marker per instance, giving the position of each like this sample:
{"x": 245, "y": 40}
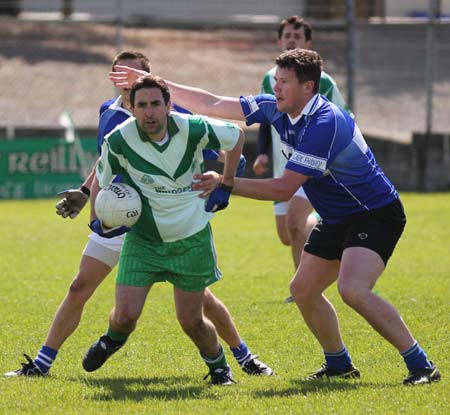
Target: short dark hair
{"x": 132, "y": 54}
{"x": 306, "y": 63}
{"x": 150, "y": 81}
{"x": 298, "y": 22}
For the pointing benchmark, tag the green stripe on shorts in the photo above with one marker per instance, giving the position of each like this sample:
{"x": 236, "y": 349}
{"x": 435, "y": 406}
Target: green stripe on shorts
{"x": 189, "y": 264}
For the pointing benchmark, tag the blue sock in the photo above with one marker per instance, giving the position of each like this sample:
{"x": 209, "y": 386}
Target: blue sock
{"x": 241, "y": 353}
{"x": 338, "y": 361}
{"x": 45, "y": 358}
{"x": 415, "y": 358}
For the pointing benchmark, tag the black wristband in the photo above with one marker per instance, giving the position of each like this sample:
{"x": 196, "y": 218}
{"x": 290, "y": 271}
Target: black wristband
{"x": 226, "y": 187}
{"x": 85, "y": 190}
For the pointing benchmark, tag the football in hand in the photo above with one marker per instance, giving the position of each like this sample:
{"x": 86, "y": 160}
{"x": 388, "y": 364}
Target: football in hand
{"x": 118, "y": 205}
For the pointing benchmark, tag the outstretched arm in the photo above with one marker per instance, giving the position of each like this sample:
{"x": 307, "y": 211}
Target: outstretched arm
{"x": 206, "y": 103}
{"x": 280, "y": 188}
{"x": 194, "y": 99}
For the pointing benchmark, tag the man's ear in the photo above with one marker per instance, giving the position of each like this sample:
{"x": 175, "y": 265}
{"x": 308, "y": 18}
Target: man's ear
{"x": 309, "y": 86}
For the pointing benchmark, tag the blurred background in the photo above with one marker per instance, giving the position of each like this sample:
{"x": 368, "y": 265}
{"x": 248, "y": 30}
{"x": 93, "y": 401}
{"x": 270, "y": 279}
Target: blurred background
{"x": 390, "y": 59}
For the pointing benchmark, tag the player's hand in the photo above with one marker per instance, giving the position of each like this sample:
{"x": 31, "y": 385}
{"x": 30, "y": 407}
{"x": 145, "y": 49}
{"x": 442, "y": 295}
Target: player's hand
{"x": 97, "y": 227}
{"x": 124, "y": 76}
{"x": 218, "y": 199}
{"x": 206, "y": 183}
{"x": 72, "y": 203}
{"x": 241, "y": 166}
{"x": 260, "y": 164}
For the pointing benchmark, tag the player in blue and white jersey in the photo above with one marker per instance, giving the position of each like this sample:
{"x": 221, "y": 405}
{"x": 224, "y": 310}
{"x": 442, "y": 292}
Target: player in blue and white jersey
{"x": 362, "y": 215}
{"x": 101, "y": 255}
{"x": 294, "y": 219}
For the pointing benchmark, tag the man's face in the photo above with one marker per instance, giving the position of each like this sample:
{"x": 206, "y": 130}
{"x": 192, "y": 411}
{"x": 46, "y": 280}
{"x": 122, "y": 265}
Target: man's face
{"x": 291, "y": 95}
{"x": 132, "y": 63}
{"x": 151, "y": 112}
{"x": 293, "y": 39}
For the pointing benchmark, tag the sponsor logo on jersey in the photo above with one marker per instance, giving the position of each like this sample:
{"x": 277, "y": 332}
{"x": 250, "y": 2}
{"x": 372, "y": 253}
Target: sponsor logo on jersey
{"x": 309, "y": 161}
{"x": 178, "y": 190}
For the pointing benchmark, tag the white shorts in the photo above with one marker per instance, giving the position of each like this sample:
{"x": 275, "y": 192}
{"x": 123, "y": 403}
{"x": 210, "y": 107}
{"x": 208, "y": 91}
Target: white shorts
{"x": 280, "y": 208}
{"x": 106, "y": 250}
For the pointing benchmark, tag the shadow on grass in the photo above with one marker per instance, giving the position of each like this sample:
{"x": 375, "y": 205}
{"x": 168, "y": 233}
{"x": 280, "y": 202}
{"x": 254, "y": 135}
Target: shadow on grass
{"x": 304, "y": 387}
{"x": 138, "y": 388}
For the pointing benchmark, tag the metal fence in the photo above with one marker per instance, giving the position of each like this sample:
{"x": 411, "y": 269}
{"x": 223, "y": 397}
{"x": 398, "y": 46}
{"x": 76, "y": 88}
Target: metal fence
{"x": 50, "y": 64}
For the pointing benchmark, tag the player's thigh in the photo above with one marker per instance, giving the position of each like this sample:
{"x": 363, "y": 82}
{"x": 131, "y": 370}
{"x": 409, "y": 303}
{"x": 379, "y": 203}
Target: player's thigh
{"x": 90, "y": 275}
{"x": 314, "y": 275}
{"x": 360, "y": 268}
{"x": 96, "y": 263}
{"x": 210, "y": 300}
{"x": 130, "y": 301}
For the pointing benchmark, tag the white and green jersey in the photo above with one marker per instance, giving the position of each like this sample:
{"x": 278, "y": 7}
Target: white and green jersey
{"x": 328, "y": 88}
{"x": 163, "y": 174}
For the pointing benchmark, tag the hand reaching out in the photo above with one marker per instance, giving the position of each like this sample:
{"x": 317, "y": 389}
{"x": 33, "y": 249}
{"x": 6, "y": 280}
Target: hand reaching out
{"x": 124, "y": 76}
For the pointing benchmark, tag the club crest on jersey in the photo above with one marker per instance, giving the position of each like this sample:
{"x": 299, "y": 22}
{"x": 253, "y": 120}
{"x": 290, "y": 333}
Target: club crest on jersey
{"x": 146, "y": 179}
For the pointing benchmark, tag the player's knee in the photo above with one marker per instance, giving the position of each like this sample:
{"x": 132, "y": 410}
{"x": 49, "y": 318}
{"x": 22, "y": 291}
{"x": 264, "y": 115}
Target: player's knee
{"x": 351, "y": 294}
{"x": 80, "y": 287}
{"x": 125, "y": 319}
{"x": 297, "y": 292}
{"x": 192, "y": 326}
{"x": 284, "y": 238}
{"x": 304, "y": 294}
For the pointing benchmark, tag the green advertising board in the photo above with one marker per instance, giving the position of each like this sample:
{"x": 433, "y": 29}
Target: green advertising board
{"x": 41, "y": 167}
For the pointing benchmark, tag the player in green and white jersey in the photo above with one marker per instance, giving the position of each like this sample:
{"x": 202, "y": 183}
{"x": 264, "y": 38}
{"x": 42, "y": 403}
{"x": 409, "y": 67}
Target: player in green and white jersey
{"x": 294, "y": 219}
{"x": 158, "y": 152}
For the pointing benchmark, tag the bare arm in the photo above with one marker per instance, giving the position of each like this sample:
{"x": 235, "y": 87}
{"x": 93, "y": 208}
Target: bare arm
{"x": 281, "y": 188}
{"x": 194, "y": 99}
{"x": 95, "y": 188}
{"x": 231, "y": 162}
{"x": 203, "y": 102}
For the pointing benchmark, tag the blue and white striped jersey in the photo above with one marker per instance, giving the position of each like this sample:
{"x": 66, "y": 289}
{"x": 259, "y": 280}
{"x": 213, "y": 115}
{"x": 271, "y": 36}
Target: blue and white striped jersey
{"x": 325, "y": 144}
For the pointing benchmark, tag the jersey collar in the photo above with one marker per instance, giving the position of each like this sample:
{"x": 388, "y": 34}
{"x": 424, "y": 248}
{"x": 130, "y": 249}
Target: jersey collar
{"x": 310, "y": 108}
{"x": 117, "y": 106}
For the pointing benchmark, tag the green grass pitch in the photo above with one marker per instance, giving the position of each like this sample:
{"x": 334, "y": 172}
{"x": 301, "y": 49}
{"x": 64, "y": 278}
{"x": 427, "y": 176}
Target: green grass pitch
{"x": 160, "y": 372}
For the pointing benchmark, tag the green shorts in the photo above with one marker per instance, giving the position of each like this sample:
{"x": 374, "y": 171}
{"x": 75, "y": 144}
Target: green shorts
{"x": 189, "y": 264}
